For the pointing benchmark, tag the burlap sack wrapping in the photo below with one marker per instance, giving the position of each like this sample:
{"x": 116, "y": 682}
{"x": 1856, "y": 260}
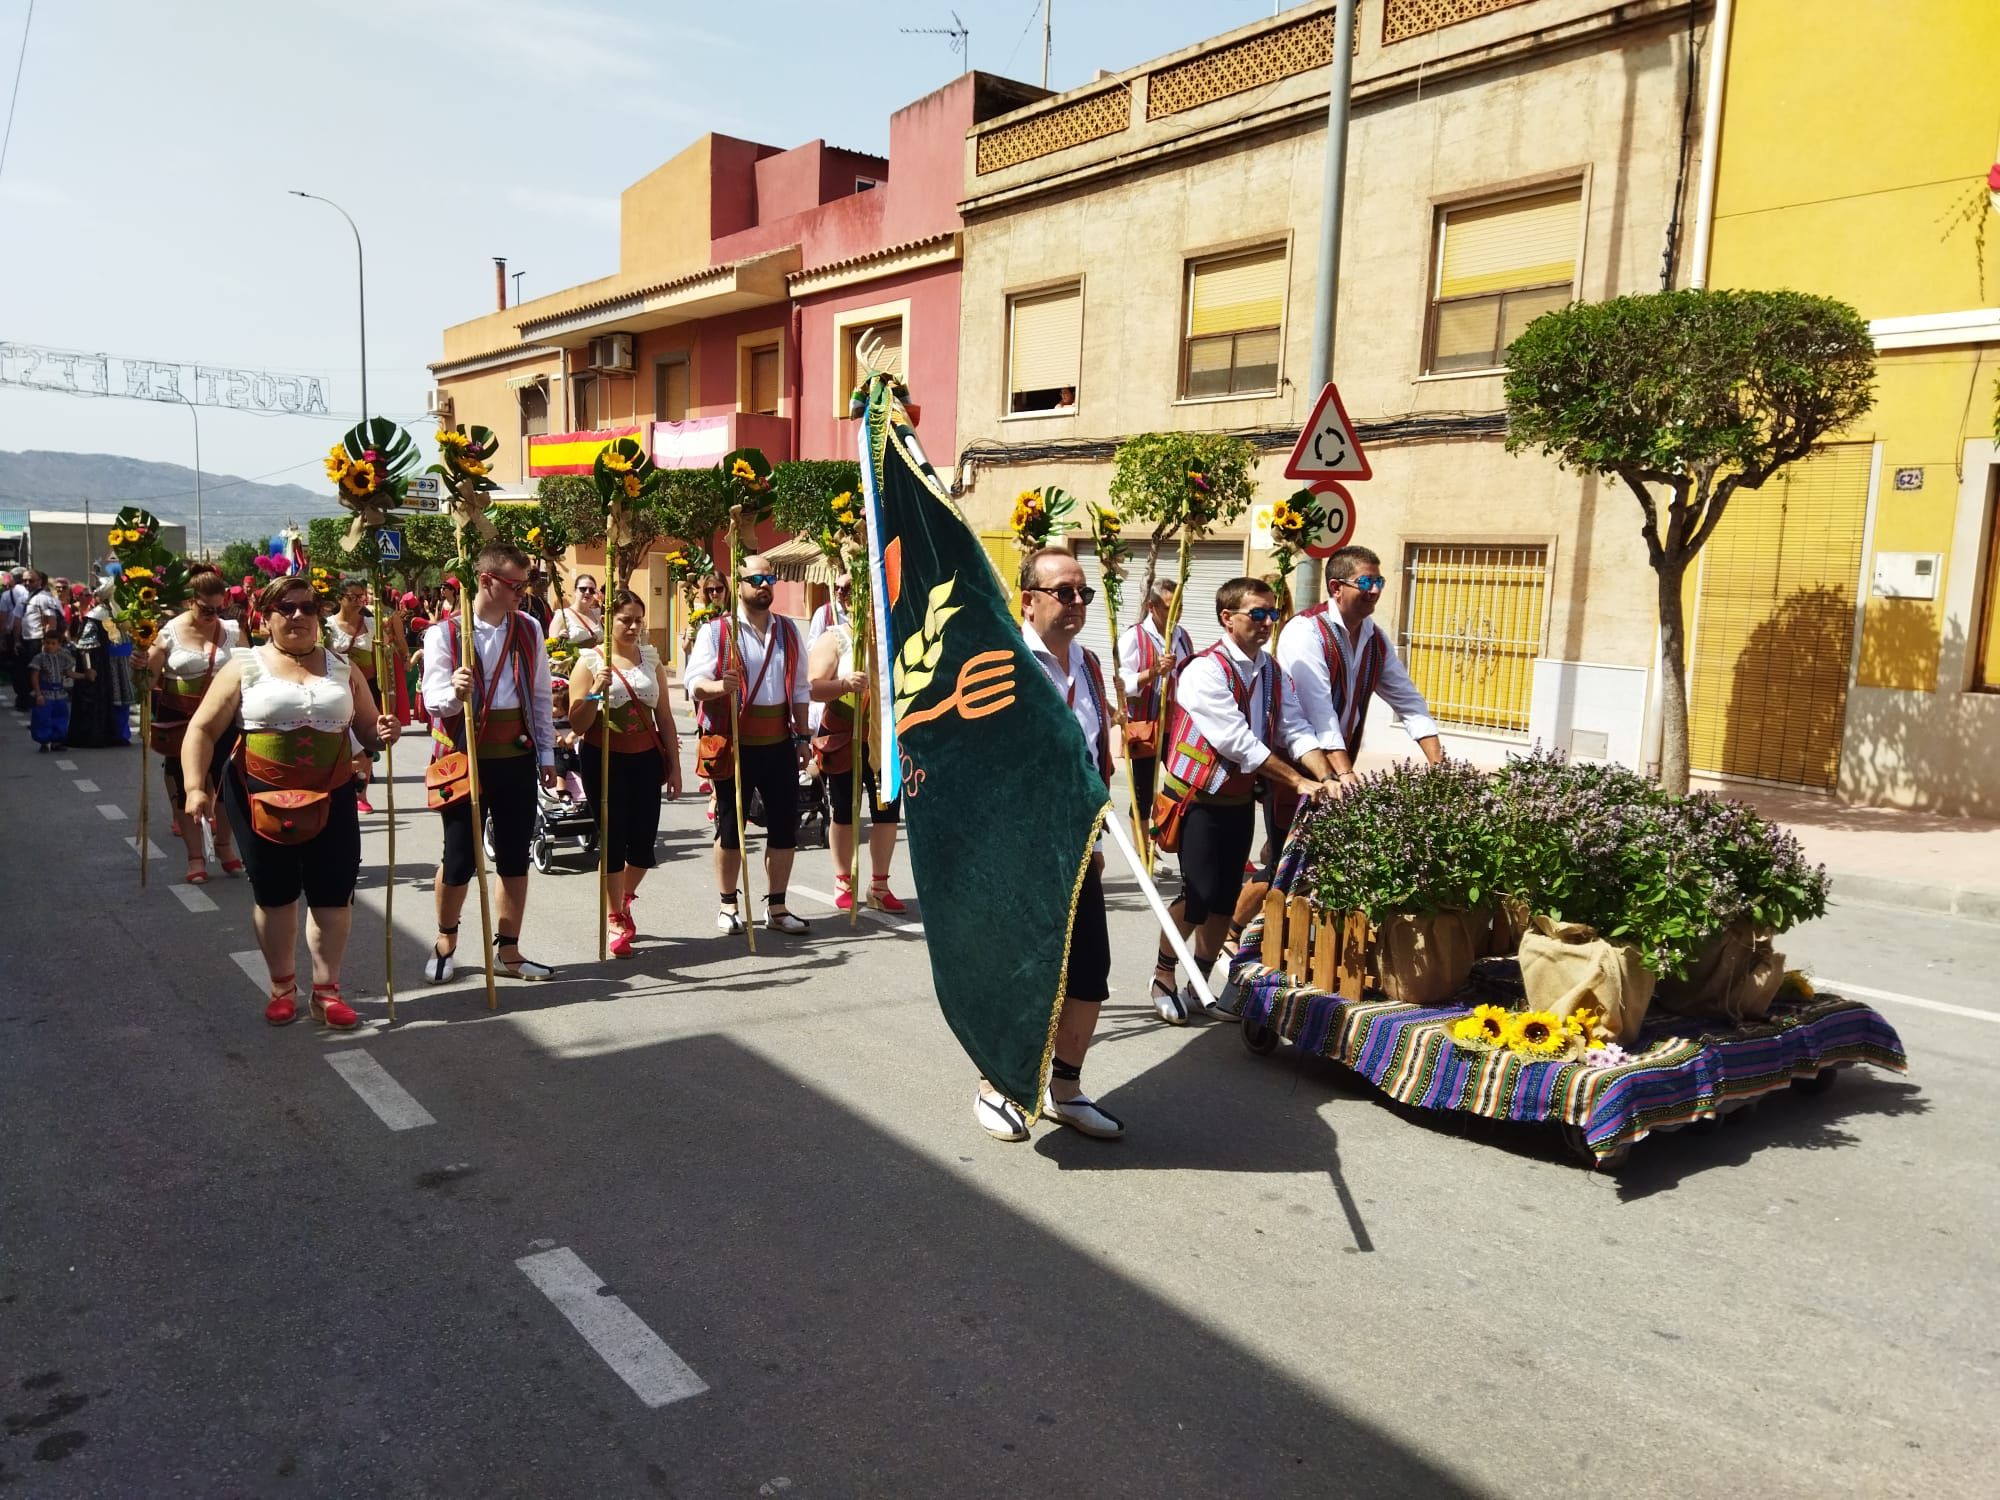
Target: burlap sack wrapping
{"x": 1424, "y": 958}
{"x": 1734, "y": 977}
{"x": 1566, "y": 967}
{"x": 1497, "y": 927}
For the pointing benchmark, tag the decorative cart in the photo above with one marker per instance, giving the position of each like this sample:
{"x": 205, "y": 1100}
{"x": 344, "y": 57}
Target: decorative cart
{"x": 1323, "y": 980}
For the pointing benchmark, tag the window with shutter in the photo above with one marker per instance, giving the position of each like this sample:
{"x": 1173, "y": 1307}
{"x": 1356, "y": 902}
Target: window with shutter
{"x": 1500, "y": 266}
{"x": 670, "y": 388}
{"x": 761, "y": 386}
{"x": 885, "y": 344}
{"x": 1044, "y": 350}
{"x": 1235, "y": 309}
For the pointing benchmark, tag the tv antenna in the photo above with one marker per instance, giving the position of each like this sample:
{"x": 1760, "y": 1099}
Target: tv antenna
{"x": 958, "y": 31}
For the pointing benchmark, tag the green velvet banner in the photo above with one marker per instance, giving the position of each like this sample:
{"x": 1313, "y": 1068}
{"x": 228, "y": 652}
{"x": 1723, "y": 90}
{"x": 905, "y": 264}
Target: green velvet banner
{"x": 1001, "y": 800}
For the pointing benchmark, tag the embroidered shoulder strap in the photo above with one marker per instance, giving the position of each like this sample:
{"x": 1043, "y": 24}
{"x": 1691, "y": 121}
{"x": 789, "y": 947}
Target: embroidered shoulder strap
{"x": 1100, "y": 702}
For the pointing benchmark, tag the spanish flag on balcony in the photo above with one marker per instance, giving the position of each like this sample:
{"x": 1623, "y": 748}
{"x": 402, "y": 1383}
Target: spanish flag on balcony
{"x": 1001, "y": 800}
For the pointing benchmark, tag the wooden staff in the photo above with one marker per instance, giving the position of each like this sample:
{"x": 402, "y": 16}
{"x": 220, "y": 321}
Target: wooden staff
{"x": 385, "y": 663}
{"x": 604, "y": 756}
{"x": 864, "y": 656}
{"x": 735, "y": 660}
{"x": 1117, "y": 706}
{"x": 1173, "y": 623}
{"x": 468, "y": 658}
{"x": 143, "y": 679}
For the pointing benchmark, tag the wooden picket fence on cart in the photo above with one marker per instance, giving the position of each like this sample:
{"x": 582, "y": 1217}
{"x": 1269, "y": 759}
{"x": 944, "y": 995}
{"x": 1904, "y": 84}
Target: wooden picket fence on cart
{"x": 1332, "y": 951}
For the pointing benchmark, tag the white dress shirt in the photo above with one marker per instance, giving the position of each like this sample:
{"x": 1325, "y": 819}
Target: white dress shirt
{"x": 784, "y": 683}
{"x": 36, "y": 614}
{"x": 1302, "y": 653}
{"x": 824, "y": 619}
{"x": 488, "y": 643}
{"x": 1205, "y": 692}
{"x": 1130, "y": 663}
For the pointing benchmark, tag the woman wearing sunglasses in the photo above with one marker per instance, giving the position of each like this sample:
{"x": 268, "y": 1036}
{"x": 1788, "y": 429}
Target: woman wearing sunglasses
{"x": 581, "y": 621}
{"x": 645, "y": 754}
{"x": 1235, "y": 718}
{"x": 184, "y": 661}
{"x": 289, "y": 791}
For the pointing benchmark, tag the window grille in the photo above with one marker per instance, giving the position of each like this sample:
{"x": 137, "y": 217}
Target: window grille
{"x": 1472, "y": 628}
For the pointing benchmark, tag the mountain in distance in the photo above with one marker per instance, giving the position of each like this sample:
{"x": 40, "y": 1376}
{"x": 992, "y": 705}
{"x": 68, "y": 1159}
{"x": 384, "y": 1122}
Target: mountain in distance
{"x": 232, "y": 509}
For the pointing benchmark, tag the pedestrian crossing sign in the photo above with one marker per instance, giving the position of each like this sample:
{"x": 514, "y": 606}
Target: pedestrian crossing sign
{"x": 1327, "y": 447}
{"x": 389, "y": 544}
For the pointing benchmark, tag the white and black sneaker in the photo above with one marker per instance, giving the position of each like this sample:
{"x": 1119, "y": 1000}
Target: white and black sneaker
{"x": 726, "y": 920}
{"x": 1167, "y": 1004}
{"x": 784, "y": 921}
{"x": 1000, "y": 1118}
{"x": 1083, "y": 1114}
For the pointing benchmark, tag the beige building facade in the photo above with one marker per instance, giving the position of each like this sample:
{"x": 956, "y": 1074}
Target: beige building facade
{"x": 1140, "y": 256}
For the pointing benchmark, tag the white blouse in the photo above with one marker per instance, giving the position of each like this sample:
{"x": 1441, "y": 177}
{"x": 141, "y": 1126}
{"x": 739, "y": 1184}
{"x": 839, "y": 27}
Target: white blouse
{"x": 192, "y": 663}
{"x": 644, "y": 678}
{"x": 363, "y": 640}
{"x": 277, "y": 703}
{"x": 577, "y": 628}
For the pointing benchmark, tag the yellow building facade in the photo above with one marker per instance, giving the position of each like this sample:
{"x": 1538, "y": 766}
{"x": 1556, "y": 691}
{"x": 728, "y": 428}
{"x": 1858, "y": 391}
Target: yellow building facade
{"x": 1846, "y": 631}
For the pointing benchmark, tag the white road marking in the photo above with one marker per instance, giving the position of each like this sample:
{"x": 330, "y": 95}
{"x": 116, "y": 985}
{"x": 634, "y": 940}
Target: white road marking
{"x": 111, "y": 812}
{"x": 153, "y": 850}
{"x": 395, "y": 1105}
{"x": 65, "y": 765}
{"x": 1863, "y": 992}
{"x": 636, "y": 1354}
{"x": 86, "y": 786}
{"x": 193, "y": 897}
{"x": 886, "y": 919}
{"x": 251, "y": 962}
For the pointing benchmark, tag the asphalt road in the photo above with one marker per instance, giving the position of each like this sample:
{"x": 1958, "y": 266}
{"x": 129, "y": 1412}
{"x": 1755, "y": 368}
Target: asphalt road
{"x": 755, "y": 1188}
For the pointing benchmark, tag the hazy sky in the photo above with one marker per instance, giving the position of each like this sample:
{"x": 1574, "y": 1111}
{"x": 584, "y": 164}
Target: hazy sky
{"x": 143, "y": 211}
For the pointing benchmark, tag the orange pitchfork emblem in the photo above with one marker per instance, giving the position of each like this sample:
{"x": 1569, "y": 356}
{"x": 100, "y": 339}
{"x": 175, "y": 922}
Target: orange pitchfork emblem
{"x": 985, "y": 686}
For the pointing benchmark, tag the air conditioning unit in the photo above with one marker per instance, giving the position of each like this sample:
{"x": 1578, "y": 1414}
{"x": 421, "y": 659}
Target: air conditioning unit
{"x": 440, "y": 404}
{"x": 611, "y": 354}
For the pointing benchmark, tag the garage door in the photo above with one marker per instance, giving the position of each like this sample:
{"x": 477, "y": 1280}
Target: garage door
{"x": 1774, "y": 624}
{"x": 1211, "y": 566}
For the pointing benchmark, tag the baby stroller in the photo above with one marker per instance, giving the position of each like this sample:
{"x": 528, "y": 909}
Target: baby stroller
{"x": 814, "y": 808}
{"x": 565, "y": 822}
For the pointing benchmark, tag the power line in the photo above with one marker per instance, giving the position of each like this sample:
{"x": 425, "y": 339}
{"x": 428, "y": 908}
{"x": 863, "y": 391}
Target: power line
{"x": 14, "y": 98}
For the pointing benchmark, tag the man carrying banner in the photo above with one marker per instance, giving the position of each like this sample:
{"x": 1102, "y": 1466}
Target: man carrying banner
{"x": 758, "y": 658}
{"x": 514, "y": 735}
{"x": 1144, "y": 662}
{"x": 1339, "y": 658}
{"x": 1236, "y": 717}
{"x": 1054, "y": 602}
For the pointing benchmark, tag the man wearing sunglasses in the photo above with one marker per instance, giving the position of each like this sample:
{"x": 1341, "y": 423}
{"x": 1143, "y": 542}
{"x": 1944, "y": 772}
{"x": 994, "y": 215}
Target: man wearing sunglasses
{"x": 757, "y": 658}
{"x": 1340, "y": 658}
{"x": 512, "y": 730}
{"x": 1236, "y": 718}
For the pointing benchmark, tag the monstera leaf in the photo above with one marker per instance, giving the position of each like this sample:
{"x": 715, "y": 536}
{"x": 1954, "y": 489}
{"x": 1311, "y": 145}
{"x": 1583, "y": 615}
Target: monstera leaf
{"x": 746, "y": 476}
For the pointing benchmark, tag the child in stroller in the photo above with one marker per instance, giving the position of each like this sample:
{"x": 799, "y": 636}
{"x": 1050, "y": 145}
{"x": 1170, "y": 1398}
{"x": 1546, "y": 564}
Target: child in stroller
{"x": 564, "y": 820}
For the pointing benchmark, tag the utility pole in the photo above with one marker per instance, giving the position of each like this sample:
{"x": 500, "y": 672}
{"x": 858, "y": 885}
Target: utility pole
{"x": 1047, "y": 6}
{"x": 360, "y": 287}
{"x": 1306, "y": 578}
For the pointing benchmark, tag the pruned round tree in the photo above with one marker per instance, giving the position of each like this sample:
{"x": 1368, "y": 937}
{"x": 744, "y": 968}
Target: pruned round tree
{"x": 1687, "y": 397}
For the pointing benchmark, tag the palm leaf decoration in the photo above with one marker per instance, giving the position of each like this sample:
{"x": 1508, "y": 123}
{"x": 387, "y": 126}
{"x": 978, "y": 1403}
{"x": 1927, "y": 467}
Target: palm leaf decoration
{"x": 466, "y": 458}
{"x": 370, "y": 468}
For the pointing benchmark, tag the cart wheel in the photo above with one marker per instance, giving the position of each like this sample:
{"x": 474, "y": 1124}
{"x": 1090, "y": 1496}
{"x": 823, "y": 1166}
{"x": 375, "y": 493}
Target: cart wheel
{"x": 1820, "y": 1082}
{"x": 544, "y": 853}
{"x": 1261, "y": 1040}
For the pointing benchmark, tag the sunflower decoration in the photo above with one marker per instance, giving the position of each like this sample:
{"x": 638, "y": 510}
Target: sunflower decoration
{"x": 1537, "y": 1034}
{"x": 1293, "y": 522}
{"x": 562, "y": 657}
{"x": 152, "y": 583}
{"x": 465, "y": 459}
{"x": 625, "y": 477}
{"x": 746, "y": 479}
{"x": 687, "y": 567}
{"x": 1485, "y": 1029}
{"x": 1040, "y": 516}
{"x": 322, "y": 583}
{"x": 370, "y": 470}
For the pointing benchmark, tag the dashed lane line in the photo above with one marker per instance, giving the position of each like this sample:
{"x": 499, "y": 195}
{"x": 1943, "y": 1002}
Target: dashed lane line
{"x": 393, "y": 1104}
{"x": 636, "y": 1354}
{"x": 65, "y": 765}
{"x": 1864, "y": 992}
{"x": 884, "y": 918}
{"x": 85, "y": 786}
{"x": 153, "y": 850}
{"x": 111, "y": 812}
{"x": 193, "y": 897}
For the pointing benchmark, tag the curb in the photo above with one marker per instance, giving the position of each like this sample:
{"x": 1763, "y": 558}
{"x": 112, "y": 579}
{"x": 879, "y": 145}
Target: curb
{"x": 1976, "y": 902}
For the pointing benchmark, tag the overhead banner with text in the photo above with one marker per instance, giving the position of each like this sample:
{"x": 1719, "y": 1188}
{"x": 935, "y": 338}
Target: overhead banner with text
{"x": 73, "y": 372}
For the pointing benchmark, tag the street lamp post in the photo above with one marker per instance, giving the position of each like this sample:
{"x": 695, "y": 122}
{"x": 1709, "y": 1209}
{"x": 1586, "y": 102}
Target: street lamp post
{"x": 360, "y": 286}
{"x": 200, "y": 540}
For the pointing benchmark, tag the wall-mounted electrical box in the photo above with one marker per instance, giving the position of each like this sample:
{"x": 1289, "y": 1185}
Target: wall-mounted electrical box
{"x": 1907, "y": 575}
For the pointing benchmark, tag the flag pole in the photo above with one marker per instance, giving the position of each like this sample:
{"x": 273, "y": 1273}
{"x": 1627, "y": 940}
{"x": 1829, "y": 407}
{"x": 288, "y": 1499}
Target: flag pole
{"x": 736, "y": 740}
{"x": 604, "y": 752}
{"x": 384, "y": 663}
{"x": 1173, "y": 934}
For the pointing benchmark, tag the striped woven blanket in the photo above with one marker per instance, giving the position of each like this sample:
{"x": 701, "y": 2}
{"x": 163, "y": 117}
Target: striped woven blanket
{"x": 1682, "y": 1069}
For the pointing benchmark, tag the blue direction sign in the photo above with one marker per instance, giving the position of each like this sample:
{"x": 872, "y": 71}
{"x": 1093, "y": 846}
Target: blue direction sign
{"x": 389, "y": 544}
